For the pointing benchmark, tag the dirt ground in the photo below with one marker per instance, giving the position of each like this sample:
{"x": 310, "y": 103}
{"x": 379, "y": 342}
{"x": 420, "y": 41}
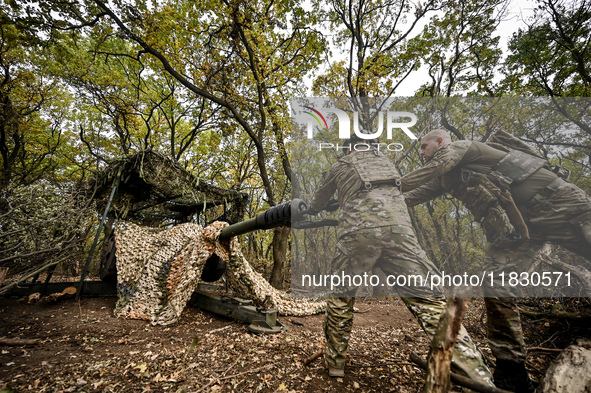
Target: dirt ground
{"x": 83, "y": 348}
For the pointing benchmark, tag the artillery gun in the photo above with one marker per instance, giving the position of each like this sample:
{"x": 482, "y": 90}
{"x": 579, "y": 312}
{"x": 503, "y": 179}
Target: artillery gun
{"x": 262, "y": 320}
{"x": 292, "y": 213}
{"x": 210, "y": 297}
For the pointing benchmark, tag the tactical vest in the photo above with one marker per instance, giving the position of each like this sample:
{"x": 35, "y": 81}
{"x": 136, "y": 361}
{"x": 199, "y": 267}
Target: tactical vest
{"x": 378, "y": 202}
{"x": 488, "y": 196}
{"x": 515, "y": 167}
{"x": 504, "y": 141}
{"x": 374, "y": 169}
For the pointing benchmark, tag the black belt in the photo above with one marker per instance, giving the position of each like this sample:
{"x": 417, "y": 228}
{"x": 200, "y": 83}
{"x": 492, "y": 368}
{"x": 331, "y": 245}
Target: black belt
{"x": 544, "y": 193}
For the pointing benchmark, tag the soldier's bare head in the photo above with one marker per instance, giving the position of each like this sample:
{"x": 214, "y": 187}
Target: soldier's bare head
{"x": 433, "y": 141}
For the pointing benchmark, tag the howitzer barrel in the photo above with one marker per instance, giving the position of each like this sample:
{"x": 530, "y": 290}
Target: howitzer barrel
{"x": 276, "y": 216}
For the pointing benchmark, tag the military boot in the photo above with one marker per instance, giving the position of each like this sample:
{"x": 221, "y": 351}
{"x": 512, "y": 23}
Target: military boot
{"x": 334, "y": 371}
{"x": 512, "y": 376}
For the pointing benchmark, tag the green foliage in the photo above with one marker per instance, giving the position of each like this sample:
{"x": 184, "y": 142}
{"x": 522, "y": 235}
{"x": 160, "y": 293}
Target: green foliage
{"x": 33, "y": 109}
{"x": 460, "y": 48}
{"x": 372, "y": 36}
{"x": 552, "y": 56}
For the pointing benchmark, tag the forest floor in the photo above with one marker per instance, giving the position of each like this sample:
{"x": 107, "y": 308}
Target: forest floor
{"x": 82, "y": 348}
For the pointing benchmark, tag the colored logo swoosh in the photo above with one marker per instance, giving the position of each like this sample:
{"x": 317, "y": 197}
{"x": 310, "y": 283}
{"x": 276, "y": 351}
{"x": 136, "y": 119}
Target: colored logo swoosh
{"x": 316, "y": 117}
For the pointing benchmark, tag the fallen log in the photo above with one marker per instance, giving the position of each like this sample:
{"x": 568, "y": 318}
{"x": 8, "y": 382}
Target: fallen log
{"x": 559, "y": 313}
{"x": 67, "y": 293}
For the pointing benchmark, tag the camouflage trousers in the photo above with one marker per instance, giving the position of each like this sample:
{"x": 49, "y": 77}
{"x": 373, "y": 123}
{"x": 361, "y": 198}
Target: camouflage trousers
{"x": 563, "y": 218}
{"x": 395, "y": 251}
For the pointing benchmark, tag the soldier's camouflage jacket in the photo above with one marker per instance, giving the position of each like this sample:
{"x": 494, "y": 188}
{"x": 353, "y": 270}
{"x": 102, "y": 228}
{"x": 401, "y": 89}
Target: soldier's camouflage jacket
{"x": 368, "y": 193}
{"x": 474, "y": 156}
{"x": 552, "y": 209}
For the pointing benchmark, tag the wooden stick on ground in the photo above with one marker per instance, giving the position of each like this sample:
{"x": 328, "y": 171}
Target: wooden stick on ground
{"x": 217, "y": 380}
{"x": 15, "y": 342}
{"x": 313, "y": 357}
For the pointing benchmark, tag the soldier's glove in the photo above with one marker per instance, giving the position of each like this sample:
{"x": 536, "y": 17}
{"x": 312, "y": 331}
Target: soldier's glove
{"x": 332, "y": 205}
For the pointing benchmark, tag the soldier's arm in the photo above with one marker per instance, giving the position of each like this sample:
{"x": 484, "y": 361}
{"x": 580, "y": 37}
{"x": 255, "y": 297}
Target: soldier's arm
{"x": 444, "y": 160}
{"x": 326, "y": 189}
{"x": 424, "y": 193}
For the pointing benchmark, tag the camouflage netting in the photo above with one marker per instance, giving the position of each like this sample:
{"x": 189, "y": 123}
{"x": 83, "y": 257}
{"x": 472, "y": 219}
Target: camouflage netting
{"x": 155, "y": 189}
{"x": 158, "y": 271}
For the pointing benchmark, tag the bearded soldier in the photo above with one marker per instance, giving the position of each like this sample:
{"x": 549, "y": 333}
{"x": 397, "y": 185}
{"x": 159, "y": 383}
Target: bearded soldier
{"x": 521, "y": 205}
{"x": 375, "y": 232}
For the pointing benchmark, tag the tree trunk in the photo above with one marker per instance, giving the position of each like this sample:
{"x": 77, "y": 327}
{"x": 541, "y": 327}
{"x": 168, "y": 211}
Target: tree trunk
{"x": 442, "y": 346}
{"x": 446, "y": 246}
{"x": 107, "y": 267}
{"x": 280, "y": 236}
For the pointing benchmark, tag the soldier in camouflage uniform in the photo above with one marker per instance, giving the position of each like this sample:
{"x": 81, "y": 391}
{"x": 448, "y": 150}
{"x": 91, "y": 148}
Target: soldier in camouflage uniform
{"x": 375, "y": 231}
{"x": 548, "y": 209}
